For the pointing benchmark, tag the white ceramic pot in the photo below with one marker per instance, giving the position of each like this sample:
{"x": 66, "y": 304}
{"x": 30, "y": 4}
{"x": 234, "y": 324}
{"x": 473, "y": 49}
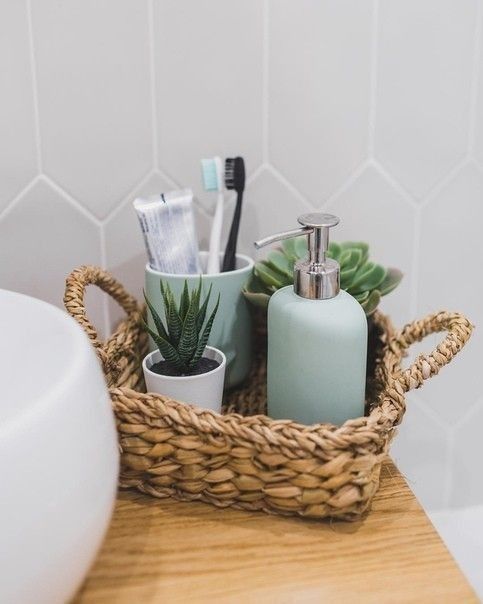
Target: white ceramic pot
{"x": 204, "y": 390}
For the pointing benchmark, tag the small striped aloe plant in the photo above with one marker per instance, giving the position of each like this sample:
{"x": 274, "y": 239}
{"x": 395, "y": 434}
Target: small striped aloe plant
{"x": 183, "y": 337}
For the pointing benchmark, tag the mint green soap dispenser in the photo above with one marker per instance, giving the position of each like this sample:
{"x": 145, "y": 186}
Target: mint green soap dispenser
{"x": 317, "y": 337}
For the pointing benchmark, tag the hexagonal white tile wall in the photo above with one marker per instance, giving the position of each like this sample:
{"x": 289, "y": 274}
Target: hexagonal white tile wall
{"x": 420, "y": 450}
{"x": 319, "y": 74}
{"x": 423, "y": 90}
{"x": 372, "y": 210}
{"x": 17, "y": 127}
{"x": 94, "y": 97}
{"x": 478, "y": 132}
{"x": 42, "y": 239}
{"x": 467, "y": 485}
{"x": 450, "y": 262}
{"x": 209, "y": 84}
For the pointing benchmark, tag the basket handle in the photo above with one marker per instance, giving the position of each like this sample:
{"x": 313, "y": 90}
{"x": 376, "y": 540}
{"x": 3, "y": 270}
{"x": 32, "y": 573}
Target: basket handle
{"x": 75, "y": 287}
{"x": 426, "y": 365}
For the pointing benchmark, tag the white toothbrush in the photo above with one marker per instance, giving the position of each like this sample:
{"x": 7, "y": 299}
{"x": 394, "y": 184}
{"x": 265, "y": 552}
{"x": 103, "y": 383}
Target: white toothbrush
{"x": 213, "y": 175}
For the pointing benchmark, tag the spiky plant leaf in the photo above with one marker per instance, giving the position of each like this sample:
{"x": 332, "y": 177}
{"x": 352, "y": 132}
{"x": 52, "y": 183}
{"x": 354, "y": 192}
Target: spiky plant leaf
{"x": 164, "y": 289}
{"x": 189, "y": 334}
{"x": 156, "y": 319}
{"x": 183, "y": 341}
{"x": 173, "y": 320}
{"x": 167, "y": 350}
{"x": 184, "y": 302}
{"x": 200, "y": 319}
{"x": 204, "y": 336}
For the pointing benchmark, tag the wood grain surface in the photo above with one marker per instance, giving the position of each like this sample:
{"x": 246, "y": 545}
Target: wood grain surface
{"x": 166, "y": 551}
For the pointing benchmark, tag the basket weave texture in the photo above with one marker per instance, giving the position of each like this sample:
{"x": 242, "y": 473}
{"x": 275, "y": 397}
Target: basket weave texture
{"x": 243, "y": 458}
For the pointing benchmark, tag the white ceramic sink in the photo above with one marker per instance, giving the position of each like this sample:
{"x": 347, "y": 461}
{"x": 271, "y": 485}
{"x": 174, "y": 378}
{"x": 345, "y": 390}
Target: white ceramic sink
{"x": 58, "y": 453}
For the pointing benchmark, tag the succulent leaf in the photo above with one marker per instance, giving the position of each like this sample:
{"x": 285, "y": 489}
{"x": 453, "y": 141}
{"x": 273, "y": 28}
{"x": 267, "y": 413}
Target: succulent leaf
{"x": 301, "y": 246}
{"x": 288, "y": 247}
{"x": 372, "y": 302}
{"x": 346, "y": 276}
{"x": 391, "y": 281}
{"x": 280, "y": 262}
{"x": 167, "y": 350}
{"x": 353, "y": 260}
{"x": 200, "y": 319}
{"x": 366, "y": 281}
{"x": 184, "y": 302}
{"x": 156, "y": 319}
{"x": 189, "y": 334}
{"x": 175, "y": 325}
{"x": 257, "y": 298}
{"x": 368, "y": 277}
{"x": 270, "y": 276}
{"x": 334, "y": 250}
{"x": 361, "y": 298}
{"x": 180, "y": 341}
{"x": 204, "y": 336}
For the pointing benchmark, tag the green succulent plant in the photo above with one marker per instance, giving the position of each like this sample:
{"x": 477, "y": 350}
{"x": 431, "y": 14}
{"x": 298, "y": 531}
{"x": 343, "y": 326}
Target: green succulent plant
{"x": 182, "y": 339}
{"x": 363, "y": 279}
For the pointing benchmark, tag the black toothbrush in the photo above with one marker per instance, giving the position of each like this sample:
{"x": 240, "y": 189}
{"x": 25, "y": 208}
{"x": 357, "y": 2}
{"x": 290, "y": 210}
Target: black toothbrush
{"x": 234, "y": 180}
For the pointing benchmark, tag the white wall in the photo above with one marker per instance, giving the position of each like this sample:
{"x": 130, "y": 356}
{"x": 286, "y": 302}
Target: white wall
{"x": 373, "y": 110}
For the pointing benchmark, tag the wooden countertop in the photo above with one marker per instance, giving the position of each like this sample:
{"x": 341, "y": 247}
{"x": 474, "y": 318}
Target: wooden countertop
{"x": 166, "y": 551}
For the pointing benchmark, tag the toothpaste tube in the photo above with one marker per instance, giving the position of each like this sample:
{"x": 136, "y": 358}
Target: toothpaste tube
{"x": 168, "y": 227}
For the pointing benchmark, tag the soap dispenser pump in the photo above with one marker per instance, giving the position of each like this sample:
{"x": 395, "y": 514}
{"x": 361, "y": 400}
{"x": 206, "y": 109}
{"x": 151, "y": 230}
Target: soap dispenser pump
{"x": 317, "y": 336}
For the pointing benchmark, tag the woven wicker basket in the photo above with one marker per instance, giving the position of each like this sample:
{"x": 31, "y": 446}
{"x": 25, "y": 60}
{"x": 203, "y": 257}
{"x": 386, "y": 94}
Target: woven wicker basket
{"x": 243, "y": 458}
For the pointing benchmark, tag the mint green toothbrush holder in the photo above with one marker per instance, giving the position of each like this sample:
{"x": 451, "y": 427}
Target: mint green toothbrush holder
{"x": 232, "y": 329}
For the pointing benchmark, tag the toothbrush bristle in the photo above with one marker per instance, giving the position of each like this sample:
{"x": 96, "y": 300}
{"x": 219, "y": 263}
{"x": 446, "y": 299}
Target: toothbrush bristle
{"x": 210, "y": 176}
{"x": 235, "y": 173}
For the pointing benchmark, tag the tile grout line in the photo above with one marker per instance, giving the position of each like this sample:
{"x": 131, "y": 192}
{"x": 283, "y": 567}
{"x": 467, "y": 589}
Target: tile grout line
{"x": 113, "y": 213}
{"x": 152, "y": 73}
{"x": 442, "y": 182}
{"x": 172, "y": 182}
{"x": 13, "y": 202}
{"x": 265, "y": 81}
{"x": 287, "y": 184}
{"x": 256, "y": 173}
{"x": 392, "y": 180}
{"x": 473, "y": 408}
{"x": 349, "y": 181}
{"x": 35, "y": 97}
{"x": 73, "y": 202}
{"x": 374, "y": 65}
{"x": 475, "y": 77}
